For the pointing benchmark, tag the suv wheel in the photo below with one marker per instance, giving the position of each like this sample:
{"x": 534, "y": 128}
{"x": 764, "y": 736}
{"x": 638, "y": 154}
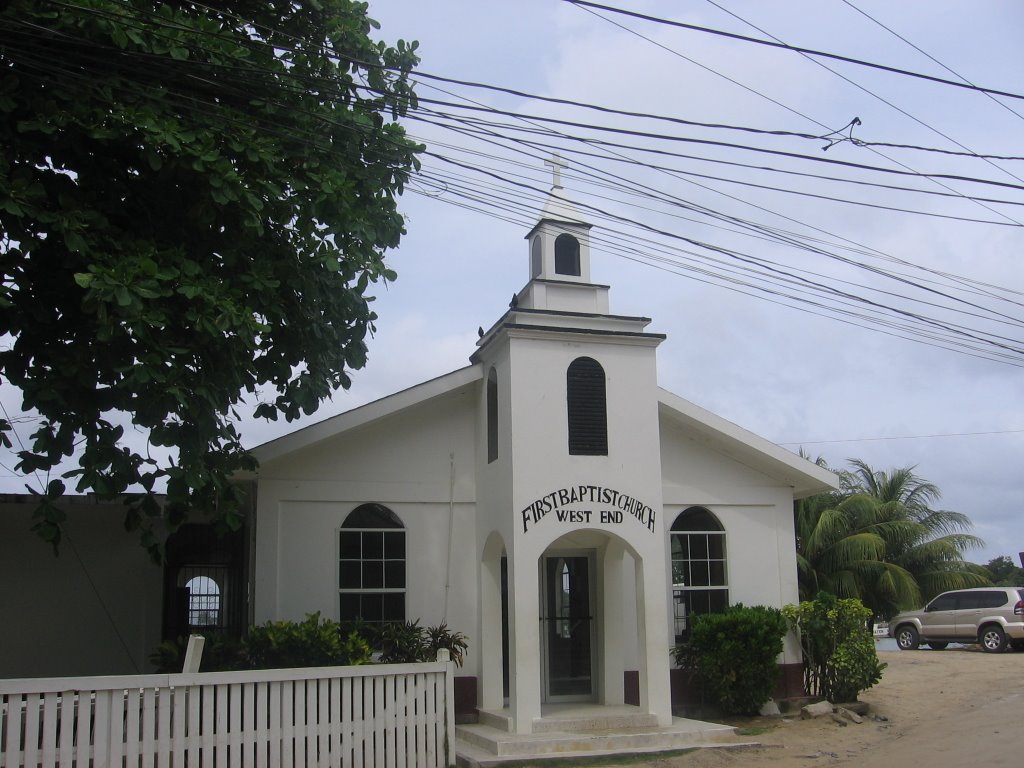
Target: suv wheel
{"x": 993, "y": 639}
{"x": 938, "y": 646}
{"x": 907, "y": 638}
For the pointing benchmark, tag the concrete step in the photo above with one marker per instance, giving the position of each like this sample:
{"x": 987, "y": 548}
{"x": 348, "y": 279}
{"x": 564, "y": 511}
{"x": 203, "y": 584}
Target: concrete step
{"x": 484, "y": 745}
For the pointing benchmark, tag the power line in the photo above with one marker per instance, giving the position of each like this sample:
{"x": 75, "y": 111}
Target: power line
{"x": 876, "y": 96}
{"x": 794, "y": 48}
{"x": 905, "y": 437}
{"x": 929, "y": 56}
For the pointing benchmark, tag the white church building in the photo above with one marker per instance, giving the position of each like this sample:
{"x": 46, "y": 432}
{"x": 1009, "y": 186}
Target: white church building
{"x": 549, "y": 500}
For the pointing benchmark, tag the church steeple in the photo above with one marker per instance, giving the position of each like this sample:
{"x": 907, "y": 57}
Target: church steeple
{"x": 560, "y": 240}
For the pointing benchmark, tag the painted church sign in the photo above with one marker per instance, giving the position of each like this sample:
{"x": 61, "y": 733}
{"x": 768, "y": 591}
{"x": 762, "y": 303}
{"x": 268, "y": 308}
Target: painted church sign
{"x": 588, "y": 505}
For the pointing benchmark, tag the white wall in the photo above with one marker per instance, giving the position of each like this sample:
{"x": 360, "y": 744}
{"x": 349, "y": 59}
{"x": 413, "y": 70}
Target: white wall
{"x": 403, "y": 461}
{"x": 755, "y": 510}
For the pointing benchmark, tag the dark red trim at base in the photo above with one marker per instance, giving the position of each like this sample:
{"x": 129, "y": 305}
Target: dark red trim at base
{"x": 465, "y": 700}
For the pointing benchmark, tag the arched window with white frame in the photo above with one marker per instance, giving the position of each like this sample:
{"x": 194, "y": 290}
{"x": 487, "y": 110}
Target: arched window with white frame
{"x": 371, "y": 565}
{"x": 699, "y": 574}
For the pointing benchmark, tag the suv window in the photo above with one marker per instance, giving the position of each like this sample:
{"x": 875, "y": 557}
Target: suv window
{"x": 945, "y": 602}
{"x": 991, "y": 599}
{"x": 970, "y": 600}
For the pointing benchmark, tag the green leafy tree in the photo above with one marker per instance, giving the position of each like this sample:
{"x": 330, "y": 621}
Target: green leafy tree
{"x": 1004, "y": 573}
{"x": 877, "y": 539}
{"x": 195, "y": 200}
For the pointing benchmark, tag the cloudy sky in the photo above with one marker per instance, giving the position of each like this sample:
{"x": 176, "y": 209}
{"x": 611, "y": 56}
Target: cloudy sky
{"x": 885, "y": 325}
{"x": 795, "y": 377}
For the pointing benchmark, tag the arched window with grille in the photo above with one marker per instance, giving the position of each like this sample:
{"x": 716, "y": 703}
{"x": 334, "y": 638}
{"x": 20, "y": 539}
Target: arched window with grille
{"x": 586, "y": 407}
{"x": 699, "y": 573}
{"x": 371, "y": 565}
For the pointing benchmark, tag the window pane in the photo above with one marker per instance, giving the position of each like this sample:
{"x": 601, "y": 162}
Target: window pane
{"x": 678, "y": 573}
{"x": 372, "y": 609}
{"x": 699, "y": 574}
{"x": 394, "y": 574}
{"x": 349, "y": 607}
{"x": 943, "y": 603}
{"x": 373, "y": 574}
{"x": 348, "y": 574}
{"x": 718, "y": 600}
{"x": 700, "y": 602}
{"x": 373, "y": 544}
{"x": 371, "y": 516}
{"x": 695, "y": 519}
{"x": 679, "y": 549}
{"x": 698, "y": 546}
{"x": 394, "y": 545}
{"x": 717, "y": 570}
{"x": 348, "y": 545}
{"x": 394, "y": 607}
{"x": 716, "y": 547}
{"x": 992, "y": 599}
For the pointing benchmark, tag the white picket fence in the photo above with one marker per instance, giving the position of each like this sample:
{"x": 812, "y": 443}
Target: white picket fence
{"x": 377, "y": 716}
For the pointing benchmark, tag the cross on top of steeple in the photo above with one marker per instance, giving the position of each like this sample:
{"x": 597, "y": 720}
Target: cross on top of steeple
{"x": 556, "y": 164}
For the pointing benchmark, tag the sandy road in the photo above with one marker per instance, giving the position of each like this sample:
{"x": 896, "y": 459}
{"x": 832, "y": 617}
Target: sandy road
{"x": 941, "y": 709}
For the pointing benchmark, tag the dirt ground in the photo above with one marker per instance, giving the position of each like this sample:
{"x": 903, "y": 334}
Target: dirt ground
{"x": 943, "y": 709}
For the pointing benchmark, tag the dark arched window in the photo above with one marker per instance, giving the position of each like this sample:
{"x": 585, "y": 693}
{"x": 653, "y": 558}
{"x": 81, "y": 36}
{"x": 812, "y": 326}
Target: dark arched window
{"x": 587, "y": 408}
{"x": 535, "y": 257}
{"x": 567, "y": 255}
{"x": 371, "y": 565}
{"x": 699, "y": 582}
{"x": 492, "y": 415}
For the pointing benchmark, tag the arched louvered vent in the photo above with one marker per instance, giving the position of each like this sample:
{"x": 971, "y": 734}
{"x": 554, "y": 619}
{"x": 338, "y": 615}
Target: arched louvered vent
{"x": 587, "y": 408}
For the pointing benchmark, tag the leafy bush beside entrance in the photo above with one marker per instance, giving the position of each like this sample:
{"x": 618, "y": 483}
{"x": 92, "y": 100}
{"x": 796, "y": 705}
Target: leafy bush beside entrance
{"x": 735, "y": 655}
{"x": 840, "y": 659}
{"x": 316, "y": 642}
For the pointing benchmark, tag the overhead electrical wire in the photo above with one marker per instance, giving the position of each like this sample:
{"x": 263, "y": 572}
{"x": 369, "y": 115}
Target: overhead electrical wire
{"x": 971, "y": 335}
{"x": 824, "y": 253}
{"x": 794, "y": 48}
{"x": 583, "y": 6}
{"x": 946, "y": 333}
{"x": 951, "y": 71}
{"x": 486, "y": 207}
{"x": 872, "y": 94}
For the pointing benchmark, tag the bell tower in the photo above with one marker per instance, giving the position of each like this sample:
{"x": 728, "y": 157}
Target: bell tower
{"x": 559, "y": 245}
{"x": 569, "y": 493}
{"x": 560, "y": 240}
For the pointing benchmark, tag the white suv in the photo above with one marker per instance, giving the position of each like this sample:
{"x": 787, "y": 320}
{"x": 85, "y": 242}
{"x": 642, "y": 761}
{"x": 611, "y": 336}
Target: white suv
{"x": 992, "y": 616}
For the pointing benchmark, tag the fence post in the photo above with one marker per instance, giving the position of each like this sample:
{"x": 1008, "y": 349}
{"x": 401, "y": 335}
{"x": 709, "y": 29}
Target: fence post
{"x": 445, "y": 656}
{"x": 193, "y": 653}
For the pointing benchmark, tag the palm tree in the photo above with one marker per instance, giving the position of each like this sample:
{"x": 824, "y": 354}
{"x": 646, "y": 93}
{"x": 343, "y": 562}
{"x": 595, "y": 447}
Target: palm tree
{"x": 934, "y": 550}
{"x": 879, "y": 540}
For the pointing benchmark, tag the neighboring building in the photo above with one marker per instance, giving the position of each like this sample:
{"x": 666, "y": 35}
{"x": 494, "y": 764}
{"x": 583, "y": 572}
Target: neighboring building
{"x": 549, "y": 500}
{"x": 103, "y": 605}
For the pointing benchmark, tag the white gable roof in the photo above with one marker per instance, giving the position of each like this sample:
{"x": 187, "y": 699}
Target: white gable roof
{"x": 805, "y": 477}
{"x": 364, "y": 414}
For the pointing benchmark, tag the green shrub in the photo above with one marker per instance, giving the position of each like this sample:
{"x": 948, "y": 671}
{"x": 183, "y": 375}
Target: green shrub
{"x": 408, "y": 642}
{"x": 220, "y": 652}
{"x": 308, "y": 643}
{"x": 441, "y": 637}
{"x": 313, "y": 642}
{"x": 402, "y": 643}
{"x": 735, "y": 655}
{"x": 839, "y": 651}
